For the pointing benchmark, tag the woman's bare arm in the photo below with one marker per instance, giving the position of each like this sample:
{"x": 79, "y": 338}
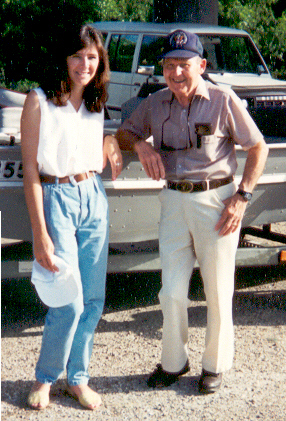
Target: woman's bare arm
{"x": 30, "y": 127}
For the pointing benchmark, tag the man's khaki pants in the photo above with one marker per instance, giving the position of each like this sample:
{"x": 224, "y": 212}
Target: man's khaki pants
{"x": 187, "y": 233}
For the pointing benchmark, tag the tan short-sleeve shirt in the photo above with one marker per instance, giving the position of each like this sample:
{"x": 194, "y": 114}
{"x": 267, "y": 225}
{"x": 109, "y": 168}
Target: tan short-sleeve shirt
{"x": 197, "y": 142}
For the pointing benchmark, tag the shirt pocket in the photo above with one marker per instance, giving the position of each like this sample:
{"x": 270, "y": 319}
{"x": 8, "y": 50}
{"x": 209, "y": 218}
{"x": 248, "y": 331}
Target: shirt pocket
{"x": 209, "y": 147}
{"x": 211, "y": 138}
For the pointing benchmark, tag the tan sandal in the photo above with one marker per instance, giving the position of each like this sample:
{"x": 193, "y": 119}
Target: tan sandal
{"x": 88, "y": 399}
{"x": 38, "y": 399}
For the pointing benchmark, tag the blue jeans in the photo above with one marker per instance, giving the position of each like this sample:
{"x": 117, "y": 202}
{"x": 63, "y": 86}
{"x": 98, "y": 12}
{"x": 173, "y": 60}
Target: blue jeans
{"x": 77, "y": 221}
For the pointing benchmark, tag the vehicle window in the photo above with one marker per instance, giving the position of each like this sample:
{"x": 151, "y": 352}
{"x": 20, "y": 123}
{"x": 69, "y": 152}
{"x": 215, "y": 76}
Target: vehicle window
{"x": 151, "y": 49}
{"x": 104, "y": 36}
{"x": 121, "y": 51}
{"x": 223, "y": 54}
{"x": 231, "y": 54}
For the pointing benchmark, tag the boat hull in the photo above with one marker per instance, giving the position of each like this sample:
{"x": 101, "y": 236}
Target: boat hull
{"x": 133, "y": 198}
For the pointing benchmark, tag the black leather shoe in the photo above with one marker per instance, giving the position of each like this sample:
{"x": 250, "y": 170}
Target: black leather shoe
{"x": 209, "y": 382}
{"x": 162, "y": 378}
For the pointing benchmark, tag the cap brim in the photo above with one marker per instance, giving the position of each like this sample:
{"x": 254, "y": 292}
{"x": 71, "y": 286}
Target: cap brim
{"x": 180, "y": 54}
{"x": 55, "y": 289}
{"x": 57, "y": 296}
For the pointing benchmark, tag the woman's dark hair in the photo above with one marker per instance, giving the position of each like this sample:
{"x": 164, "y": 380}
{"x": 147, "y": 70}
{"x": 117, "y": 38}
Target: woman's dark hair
{"x": 56, "y": 81}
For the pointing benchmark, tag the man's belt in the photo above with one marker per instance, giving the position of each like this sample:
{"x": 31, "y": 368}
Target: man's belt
{"x": 186, "y": 186}
{"x": 51, "y": 179}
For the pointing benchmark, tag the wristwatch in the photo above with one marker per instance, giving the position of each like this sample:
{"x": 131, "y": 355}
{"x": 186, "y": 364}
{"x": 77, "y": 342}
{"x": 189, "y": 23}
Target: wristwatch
{"x": 245, "y": 195}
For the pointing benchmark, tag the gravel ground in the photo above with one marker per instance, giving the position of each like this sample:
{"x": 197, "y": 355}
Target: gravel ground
{"x": 127, "y": 347}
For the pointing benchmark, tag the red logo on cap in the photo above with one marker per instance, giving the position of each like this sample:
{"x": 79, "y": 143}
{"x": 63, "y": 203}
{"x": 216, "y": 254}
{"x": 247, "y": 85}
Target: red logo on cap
{"x": 178, "y": 40}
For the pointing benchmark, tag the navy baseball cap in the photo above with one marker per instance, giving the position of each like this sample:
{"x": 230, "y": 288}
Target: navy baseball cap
{"x": 182, "y": 44}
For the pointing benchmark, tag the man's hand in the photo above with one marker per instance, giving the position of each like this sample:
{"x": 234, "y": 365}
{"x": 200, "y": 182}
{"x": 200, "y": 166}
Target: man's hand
{"x": 235, "y": 205}
{"x": 150, "y": 159}
{"x": 232, "y": 215}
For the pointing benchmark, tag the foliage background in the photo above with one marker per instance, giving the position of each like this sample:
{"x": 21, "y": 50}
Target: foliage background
{"x": 26, "y": 28}
{"x": 265, "y": 20}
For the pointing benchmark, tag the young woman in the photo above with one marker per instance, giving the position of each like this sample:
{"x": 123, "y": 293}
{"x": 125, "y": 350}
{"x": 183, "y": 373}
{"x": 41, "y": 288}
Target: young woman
{"x": 63, "y": 153}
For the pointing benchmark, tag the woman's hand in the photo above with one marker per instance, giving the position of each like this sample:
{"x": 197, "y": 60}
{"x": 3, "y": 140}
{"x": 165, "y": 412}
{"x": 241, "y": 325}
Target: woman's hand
{"x": 44, "y": 252}
{"x": 112, "y": 152}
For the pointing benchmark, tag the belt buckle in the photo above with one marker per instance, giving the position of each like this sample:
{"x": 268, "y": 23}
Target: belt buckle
{"x": 185, "y": 186}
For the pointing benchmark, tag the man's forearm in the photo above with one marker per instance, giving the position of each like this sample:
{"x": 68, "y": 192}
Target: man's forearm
{"x": 126, "y": 139}
{"x": 254, "y": 166}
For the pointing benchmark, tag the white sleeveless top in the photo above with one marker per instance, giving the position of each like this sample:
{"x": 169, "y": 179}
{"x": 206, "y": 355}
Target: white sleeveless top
{"x": 70, "y": 141}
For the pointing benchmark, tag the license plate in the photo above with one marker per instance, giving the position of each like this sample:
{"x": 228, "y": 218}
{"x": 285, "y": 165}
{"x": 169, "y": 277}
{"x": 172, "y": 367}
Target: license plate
{"x": 11, "y": 170}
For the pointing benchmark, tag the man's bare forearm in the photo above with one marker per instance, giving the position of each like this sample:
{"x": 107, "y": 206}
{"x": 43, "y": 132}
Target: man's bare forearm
{"x": 254, "y": 166}
{"x": 126, "y": 139}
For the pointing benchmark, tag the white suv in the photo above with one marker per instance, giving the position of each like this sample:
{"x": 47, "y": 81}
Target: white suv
{"x": 233, "y": 60}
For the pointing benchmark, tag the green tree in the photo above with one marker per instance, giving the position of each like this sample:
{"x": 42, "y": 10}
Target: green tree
{"x": 29, "y": 30}
{"x": 266, "y": 22}
{"x": 26, "y": 28}
{"x": 125, "y": 10}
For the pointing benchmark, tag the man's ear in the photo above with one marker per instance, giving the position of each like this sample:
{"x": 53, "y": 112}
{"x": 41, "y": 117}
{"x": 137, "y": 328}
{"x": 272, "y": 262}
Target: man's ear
{"x": 203, "y": 65}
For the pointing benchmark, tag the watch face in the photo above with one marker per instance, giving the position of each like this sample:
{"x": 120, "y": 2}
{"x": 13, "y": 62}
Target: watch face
{"x": 246, "y": 195}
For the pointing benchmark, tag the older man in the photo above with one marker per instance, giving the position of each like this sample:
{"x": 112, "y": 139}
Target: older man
{"x": 195, "y": 125}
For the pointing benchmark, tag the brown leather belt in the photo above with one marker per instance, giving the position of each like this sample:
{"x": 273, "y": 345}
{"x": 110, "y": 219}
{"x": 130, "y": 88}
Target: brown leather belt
{"x": 186, "y": 186}
{"x": 51, "y": 179}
